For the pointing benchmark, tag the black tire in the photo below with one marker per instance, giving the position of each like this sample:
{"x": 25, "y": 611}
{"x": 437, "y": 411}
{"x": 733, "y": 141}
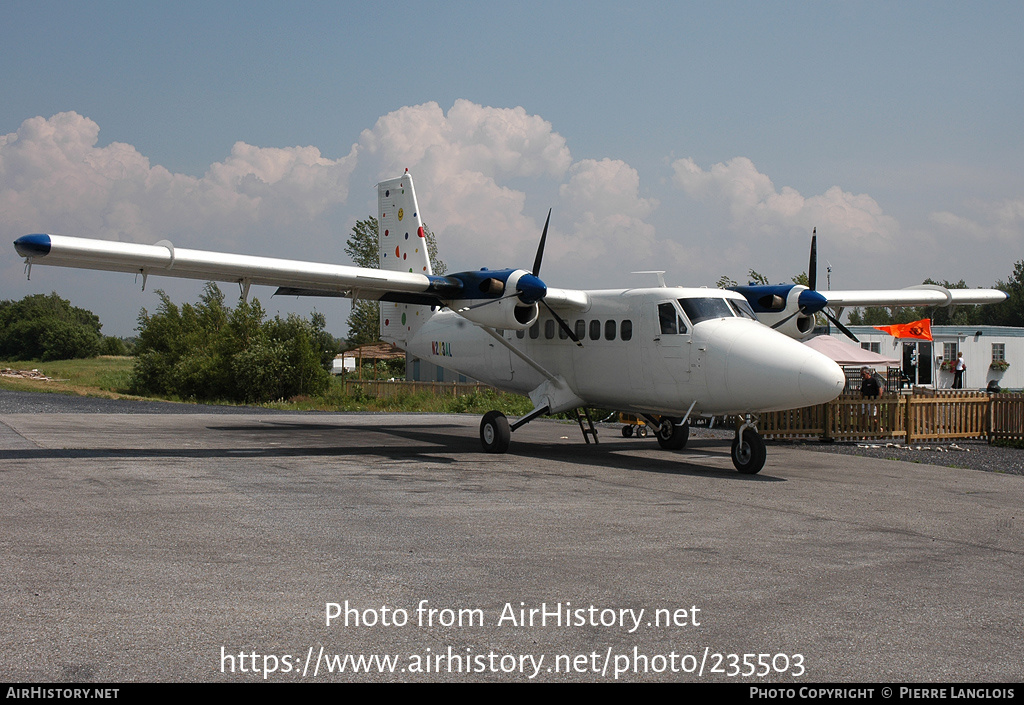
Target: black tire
{"x": 675, "y": 435}
{"x": 641, "y": 432}
{"x": 627, "y": 431}
{"x": 749, "y": 459}
{"x": 494, "y": 432}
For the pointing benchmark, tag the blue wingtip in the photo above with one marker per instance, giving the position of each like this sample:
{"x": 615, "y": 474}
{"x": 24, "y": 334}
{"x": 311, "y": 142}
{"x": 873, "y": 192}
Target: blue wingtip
{"x": 33, "y": 245}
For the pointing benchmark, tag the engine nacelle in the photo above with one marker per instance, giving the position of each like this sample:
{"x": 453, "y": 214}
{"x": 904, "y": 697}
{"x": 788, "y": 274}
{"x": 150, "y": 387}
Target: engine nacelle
{"x": 774, "y": 309}
{"x": 508, "y": 313}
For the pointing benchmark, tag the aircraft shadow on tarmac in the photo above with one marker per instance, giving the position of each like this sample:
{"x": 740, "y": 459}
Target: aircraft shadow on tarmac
{"x": 435, "y": 443}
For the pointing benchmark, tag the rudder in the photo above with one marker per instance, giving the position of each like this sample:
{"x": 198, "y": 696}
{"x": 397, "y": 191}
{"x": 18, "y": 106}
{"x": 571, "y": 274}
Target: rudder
{"x": 403, "y": 248}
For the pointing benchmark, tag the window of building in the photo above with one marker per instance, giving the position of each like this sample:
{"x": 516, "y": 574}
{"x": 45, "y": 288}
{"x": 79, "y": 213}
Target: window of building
{"x": 949, "y": 351}
{"x": 998, "y": 352}
{"x": 872, "y": 347}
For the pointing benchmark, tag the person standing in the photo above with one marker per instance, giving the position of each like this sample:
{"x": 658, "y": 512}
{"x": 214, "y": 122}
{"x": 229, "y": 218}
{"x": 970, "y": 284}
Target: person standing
{"x": 959, "y": 367}
{"x": 869, "y": 388}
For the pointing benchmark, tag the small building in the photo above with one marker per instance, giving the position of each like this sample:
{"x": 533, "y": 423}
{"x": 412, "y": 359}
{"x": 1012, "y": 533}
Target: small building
{"x": 990, "y": 353}
{"x": 353, "y": 360}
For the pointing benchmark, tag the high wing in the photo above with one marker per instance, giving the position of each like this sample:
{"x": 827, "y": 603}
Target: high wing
{"x": 501, "y": 298}
{"x": 790, "y": 308}
{"x": 164, "y": 259}
{"x": 922, "y": 295}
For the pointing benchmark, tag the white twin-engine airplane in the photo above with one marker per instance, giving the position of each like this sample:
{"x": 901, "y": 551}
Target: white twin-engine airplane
{"x": 664, "y": 353}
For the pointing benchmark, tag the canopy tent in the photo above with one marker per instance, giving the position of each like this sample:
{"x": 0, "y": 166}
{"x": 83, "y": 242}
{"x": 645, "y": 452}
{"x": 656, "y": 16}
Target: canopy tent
{"x": 849, "y": 355}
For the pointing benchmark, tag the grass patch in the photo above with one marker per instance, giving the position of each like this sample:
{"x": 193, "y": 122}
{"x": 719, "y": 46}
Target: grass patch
{"x": 104, "y": 376}
{"x": 1008, "y": 443}
{"x": 109, "y": 376}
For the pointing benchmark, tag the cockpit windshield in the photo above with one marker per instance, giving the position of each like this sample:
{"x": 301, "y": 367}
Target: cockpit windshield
{"x": 698, "y": 310}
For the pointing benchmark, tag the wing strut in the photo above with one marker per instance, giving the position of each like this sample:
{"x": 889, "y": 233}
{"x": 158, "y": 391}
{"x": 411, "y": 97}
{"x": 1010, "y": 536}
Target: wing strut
{"x": 517, "y": 352}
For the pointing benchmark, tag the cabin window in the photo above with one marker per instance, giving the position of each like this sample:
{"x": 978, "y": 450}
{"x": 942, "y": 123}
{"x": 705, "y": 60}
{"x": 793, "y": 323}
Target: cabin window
{"x": 626, "y": 330}
{"x": 595, "y": 330}
{"x": 609, "y": 330}
{"x": 581, "y": 330}
{"x": 698, "y": 310}
{"x": 535, "y": 331}
{"x": 520, "y": 334}
{"x": 562, "y": 335}
{"x": 549, "y": 329}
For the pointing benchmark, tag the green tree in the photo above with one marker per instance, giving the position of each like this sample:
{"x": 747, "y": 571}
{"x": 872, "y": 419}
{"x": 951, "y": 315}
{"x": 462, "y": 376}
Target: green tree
{"x": 1011, "y": 311}
{"x": 41, "y": 327}
{"x": 364, "y": 249}
{"x": 209, "y": 351}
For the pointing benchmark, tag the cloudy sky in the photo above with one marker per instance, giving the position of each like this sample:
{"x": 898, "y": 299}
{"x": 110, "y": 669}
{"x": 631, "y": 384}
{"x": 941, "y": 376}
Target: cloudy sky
{"x": 699, "y": 138}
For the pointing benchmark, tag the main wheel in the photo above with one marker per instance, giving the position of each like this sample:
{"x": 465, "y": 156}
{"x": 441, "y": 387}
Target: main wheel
{"x": 673, "y": 435}
{"x": 749, "y": 456}
{"x": 627, "y": 431}
{"x": 494, "y": 432}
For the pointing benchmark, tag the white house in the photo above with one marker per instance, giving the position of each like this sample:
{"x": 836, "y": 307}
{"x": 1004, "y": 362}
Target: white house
{"x": 984, "y": 349}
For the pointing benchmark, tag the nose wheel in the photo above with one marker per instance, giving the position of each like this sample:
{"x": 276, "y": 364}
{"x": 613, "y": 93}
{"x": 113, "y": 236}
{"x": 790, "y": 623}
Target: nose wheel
{"x": 748, "y": 451}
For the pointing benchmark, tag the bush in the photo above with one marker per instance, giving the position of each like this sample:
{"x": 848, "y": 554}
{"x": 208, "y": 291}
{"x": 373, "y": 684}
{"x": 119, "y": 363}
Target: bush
{"x": 41, "y": 327}
{"x": 208, "y": 351}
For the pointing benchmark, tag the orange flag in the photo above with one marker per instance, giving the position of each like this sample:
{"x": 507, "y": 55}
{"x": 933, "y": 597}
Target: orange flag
{"x": 918, "y": 329}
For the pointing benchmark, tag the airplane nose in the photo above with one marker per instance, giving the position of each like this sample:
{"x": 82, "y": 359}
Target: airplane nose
{"x": 764, "y": 370}
{"x": 821, "y": 379}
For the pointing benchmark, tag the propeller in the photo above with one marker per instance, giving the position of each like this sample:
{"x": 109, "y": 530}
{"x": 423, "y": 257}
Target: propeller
{"x": 530, "y": 289}
{"x": 812, "y": 279}
{"x": 536, "y": 273}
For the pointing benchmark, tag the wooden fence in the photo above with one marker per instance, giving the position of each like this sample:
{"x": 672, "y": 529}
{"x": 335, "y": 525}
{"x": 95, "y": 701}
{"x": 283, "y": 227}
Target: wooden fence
{"x": 386, "y": 389}
{"x": 922, "y": 415}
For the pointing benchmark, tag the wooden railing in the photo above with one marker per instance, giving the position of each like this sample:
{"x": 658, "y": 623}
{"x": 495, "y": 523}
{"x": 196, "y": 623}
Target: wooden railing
{"x": 923, "y": 415}
{"x": 1006, "y": 417}
{"x": 385, "y": 389}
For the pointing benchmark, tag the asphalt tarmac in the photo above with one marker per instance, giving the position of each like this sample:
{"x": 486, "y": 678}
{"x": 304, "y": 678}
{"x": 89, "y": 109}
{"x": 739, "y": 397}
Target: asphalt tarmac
{"x": 216, "y": 547}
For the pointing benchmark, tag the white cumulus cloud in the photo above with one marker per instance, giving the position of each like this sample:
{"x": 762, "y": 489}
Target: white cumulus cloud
{"x": 54, "y": 177}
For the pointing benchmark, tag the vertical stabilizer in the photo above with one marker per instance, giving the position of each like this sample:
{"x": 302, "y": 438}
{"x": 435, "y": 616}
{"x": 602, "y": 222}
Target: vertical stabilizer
{"x": 403, "y": 248}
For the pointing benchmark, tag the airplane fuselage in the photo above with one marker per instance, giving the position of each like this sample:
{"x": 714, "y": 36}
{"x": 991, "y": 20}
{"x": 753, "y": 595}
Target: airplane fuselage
{"x": 653, "y": 350}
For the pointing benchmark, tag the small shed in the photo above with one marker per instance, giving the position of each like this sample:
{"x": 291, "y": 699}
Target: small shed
{"x": 352, "y": 360}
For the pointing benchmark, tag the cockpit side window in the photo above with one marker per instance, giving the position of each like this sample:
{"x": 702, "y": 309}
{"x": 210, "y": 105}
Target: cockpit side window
{"x": 742, "y": 308}
{"x": 670, "y": 320}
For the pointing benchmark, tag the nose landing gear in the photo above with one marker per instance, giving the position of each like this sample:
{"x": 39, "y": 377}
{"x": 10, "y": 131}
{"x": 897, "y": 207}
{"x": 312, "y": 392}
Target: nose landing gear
{"x": 748, "y": 449}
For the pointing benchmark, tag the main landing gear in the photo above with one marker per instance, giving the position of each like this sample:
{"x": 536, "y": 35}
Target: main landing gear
{"x": 495, "y": 434}
{"x": 748, "y": 450}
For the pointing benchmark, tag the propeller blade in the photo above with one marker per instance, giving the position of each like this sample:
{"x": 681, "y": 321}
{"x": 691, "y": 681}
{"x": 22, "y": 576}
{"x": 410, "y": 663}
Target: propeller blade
{"x": 783, "y": 321}
{"x": 540, "y": 248}
{"x": 513, "y": 295}
{"x": 840, "y": 326}
{"x": 812, "y": 266}
{"x": 562, "y": 323}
